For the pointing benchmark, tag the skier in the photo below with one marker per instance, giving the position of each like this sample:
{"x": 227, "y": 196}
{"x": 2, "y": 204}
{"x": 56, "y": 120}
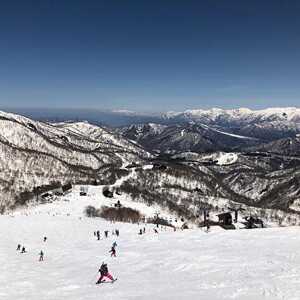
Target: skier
{"x": 98, "y": 235}
{"x": 106, "y": 233}
{"x": 155, "y": 230}
{"x": 41, "y": 256}
{"x": 114, "y": 245}
{"x": 104, "y": 273}
{"x": 117, "y": 232}
{"x": 113, "y": 252}
{"x": 45, "y": 238}
{"x": 144, "y": 230}
{"x": 141, "y": 232}
{"x": 23, "y": 250}
{"x": 18, "y": 248}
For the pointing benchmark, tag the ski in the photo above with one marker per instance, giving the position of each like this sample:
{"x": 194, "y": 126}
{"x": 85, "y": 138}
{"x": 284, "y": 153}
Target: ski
{"x": 112, "y": 281}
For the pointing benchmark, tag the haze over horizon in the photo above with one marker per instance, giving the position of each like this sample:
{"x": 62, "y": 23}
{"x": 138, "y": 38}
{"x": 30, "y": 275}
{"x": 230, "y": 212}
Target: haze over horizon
{"x": 149, "y": 56}
{"x": 124, "y": 111}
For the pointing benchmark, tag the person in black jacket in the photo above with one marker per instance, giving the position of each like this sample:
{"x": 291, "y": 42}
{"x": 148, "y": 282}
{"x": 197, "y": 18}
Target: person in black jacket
{"x": 104, "y": 273}
{"x": 41, "y": 256}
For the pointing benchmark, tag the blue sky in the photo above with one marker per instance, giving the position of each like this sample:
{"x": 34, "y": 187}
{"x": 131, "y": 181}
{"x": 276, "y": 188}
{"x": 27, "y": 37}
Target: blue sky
{"x": 148, "y": 56}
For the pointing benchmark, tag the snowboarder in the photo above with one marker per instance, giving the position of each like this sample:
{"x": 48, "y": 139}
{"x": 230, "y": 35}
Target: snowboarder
{"x": 113, "y": 252}
{"x": 23, "y": 250}
{"x": 117, "y": 232}
{"x": 98, "y": 235}
{"x": 106, "y": 233}
{"x": 41, "y": 256}
{"x": 18, "y": 247}
{"x": 104, "y": 273}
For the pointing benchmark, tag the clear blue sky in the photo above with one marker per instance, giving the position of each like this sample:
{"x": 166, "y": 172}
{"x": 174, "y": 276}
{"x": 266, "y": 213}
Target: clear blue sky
{"x": 147, "y": 55}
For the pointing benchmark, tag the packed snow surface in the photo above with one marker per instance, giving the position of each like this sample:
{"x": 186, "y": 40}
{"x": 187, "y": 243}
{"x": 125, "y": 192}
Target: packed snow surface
{"x": 192, "y": 264}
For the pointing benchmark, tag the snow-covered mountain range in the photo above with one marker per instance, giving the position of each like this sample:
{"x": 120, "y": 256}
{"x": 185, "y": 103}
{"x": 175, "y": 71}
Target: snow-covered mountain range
{"x": 185, "y": 137}
{"x": 215, "y": 129}
{"x": 240, "y": 115}
{"x": 194, "y": 164}
{"x": 267, "y": 124}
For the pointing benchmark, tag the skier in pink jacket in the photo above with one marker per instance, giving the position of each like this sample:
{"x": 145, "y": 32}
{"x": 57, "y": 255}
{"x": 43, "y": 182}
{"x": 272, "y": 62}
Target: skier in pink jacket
{"x": 104, "y": 274}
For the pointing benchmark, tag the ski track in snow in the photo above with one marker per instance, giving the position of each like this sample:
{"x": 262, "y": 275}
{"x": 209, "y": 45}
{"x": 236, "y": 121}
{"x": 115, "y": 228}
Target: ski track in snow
{"x": 192, "y": 264}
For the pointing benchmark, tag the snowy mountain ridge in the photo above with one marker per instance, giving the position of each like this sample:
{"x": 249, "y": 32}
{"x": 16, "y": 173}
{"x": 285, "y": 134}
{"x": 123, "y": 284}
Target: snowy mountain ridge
{"x": 242, "y": 114}
{"x": 34, "y": 154}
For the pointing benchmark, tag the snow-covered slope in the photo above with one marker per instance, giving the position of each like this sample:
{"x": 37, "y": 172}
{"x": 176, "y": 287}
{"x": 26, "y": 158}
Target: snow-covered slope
{"x": 35, "y": 153}
{"x": 261, "y": 264}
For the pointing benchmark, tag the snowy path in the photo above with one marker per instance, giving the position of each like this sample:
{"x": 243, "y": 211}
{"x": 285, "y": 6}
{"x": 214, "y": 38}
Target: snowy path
{"x": 253, "y": 264}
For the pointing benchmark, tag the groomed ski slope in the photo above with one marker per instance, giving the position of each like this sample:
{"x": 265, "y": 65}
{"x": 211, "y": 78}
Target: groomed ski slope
{"x": 191, "y": 264}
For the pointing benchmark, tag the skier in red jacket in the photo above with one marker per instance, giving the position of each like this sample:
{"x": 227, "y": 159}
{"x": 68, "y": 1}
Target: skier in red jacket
{"x": 113, "y": 252}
